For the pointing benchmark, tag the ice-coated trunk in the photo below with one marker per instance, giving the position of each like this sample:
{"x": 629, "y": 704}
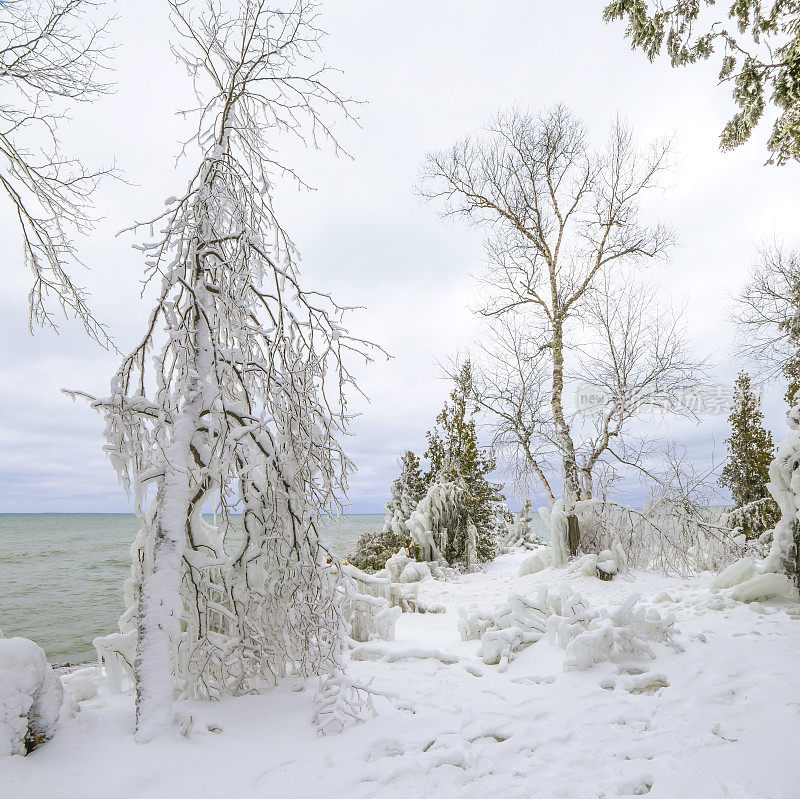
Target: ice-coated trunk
{"x": 160, "y": 603}
{"x": 160, "y": 606}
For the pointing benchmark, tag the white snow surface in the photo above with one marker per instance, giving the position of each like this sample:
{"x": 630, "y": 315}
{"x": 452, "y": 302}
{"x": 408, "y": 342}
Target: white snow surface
{"x": 720, "y": 719}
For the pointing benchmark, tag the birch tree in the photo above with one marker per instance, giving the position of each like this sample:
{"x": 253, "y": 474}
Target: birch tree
{"x": 52, "y": 55}
{"x": 565, "y": 238}
{"x": 236, "y": 395}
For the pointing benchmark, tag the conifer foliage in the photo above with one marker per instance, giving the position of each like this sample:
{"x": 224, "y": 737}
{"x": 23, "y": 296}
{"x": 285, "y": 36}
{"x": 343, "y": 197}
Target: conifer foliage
{"x": 759, "y": 45}
{"x": 373, "y": 549}
{"x": 456, "y": 456}
{"x": 751, "y": 451}
{"x": 453, "y": 495}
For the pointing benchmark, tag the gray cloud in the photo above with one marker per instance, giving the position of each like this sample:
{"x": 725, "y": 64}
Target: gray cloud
{"x": 431, "y": 72}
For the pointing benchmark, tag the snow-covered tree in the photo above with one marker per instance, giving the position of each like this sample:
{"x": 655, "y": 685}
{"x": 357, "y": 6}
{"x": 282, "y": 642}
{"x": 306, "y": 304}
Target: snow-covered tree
{"x": 456, "y": 457}
{"x": 759, "y": 48}
{"x": 407, "y": 490}
{"x": 750, "y": 451}
{"x": 235, "y": 397}
{"x": 563, "y": 293}
{"x": 51, "y": 55}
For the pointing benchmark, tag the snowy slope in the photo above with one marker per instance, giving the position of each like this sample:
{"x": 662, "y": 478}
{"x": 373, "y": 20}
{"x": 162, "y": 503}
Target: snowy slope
{"x": 727, "y": 724}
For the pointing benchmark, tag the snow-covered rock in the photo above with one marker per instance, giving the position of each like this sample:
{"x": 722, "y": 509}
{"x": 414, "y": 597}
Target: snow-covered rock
{"x": 32, "y": 700}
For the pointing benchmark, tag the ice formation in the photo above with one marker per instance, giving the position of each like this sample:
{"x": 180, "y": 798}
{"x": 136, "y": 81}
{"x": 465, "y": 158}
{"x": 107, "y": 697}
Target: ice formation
{"x": 589, "y": 635}
{"x": 784, "y": 486}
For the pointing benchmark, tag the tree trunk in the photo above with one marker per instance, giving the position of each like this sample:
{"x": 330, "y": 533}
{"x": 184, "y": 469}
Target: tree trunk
{"x": 567, "y": 446}
{"x": 159, "y": 601}
{"x": 573, "y": 535}
{"x": 160, "y": 607}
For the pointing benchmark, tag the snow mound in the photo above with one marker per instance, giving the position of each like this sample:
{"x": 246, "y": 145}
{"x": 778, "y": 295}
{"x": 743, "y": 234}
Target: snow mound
{"x": 536, "y": 562}
{"x": 738, "y": 572}
{"x": 747, "y": 584}
{"x": 32, "y": 701}
{"x": 414, "y": 572}
{"x": 83, "y": 684}
{"x": 763, "y": 586}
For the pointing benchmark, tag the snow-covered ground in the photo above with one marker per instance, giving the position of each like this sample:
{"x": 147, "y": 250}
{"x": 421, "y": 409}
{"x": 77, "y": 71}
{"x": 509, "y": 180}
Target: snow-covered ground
{"x": 726, "y": 725}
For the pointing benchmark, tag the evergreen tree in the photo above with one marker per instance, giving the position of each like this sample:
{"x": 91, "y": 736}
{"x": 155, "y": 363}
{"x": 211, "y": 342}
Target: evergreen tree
{"x": 791, "y": 371}
{"x": 374, "y": 548}
{"x": 407, "y": 490}
{"x": 751, "y": 451}
{"x": 455, "y": 456}
{"x": 790, "y": 328}
{"x": 758, "y": 46}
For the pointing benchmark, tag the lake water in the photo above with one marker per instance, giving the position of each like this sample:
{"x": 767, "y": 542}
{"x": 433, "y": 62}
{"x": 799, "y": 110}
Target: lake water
{"x": 61, "y": 575}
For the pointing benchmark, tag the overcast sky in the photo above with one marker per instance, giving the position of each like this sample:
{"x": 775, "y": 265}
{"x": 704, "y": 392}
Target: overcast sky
{"x": 429, "y": 73}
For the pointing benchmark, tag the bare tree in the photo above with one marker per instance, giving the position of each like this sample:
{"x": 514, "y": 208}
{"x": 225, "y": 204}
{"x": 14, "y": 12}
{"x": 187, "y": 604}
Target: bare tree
{"x": 565, "y": 238}
{"x": 768, "y": 314}
{"x": 51, "y": 54}
{"x": 237, "y": 393}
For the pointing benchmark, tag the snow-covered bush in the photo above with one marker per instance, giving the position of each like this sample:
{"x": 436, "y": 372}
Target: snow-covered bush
{"x": 675, "y": 532}
{"x": 437, "y": 518}
{"x": 373, "y": 549}
{"x": 32, "y": 699}
{"x": 340, "y": 702}
{"x": 746, "y": 472}
{"x": 370, "y": 618}
{"x": 442, "y": 528}
{"x": 671, "y": 534}
{"x": 752, "y": 520}
{"x": 616, "y": 636}
{"x": 507, "y": 629}
{"x": 407, "y": 490}
{"x": 589, "y": 635}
